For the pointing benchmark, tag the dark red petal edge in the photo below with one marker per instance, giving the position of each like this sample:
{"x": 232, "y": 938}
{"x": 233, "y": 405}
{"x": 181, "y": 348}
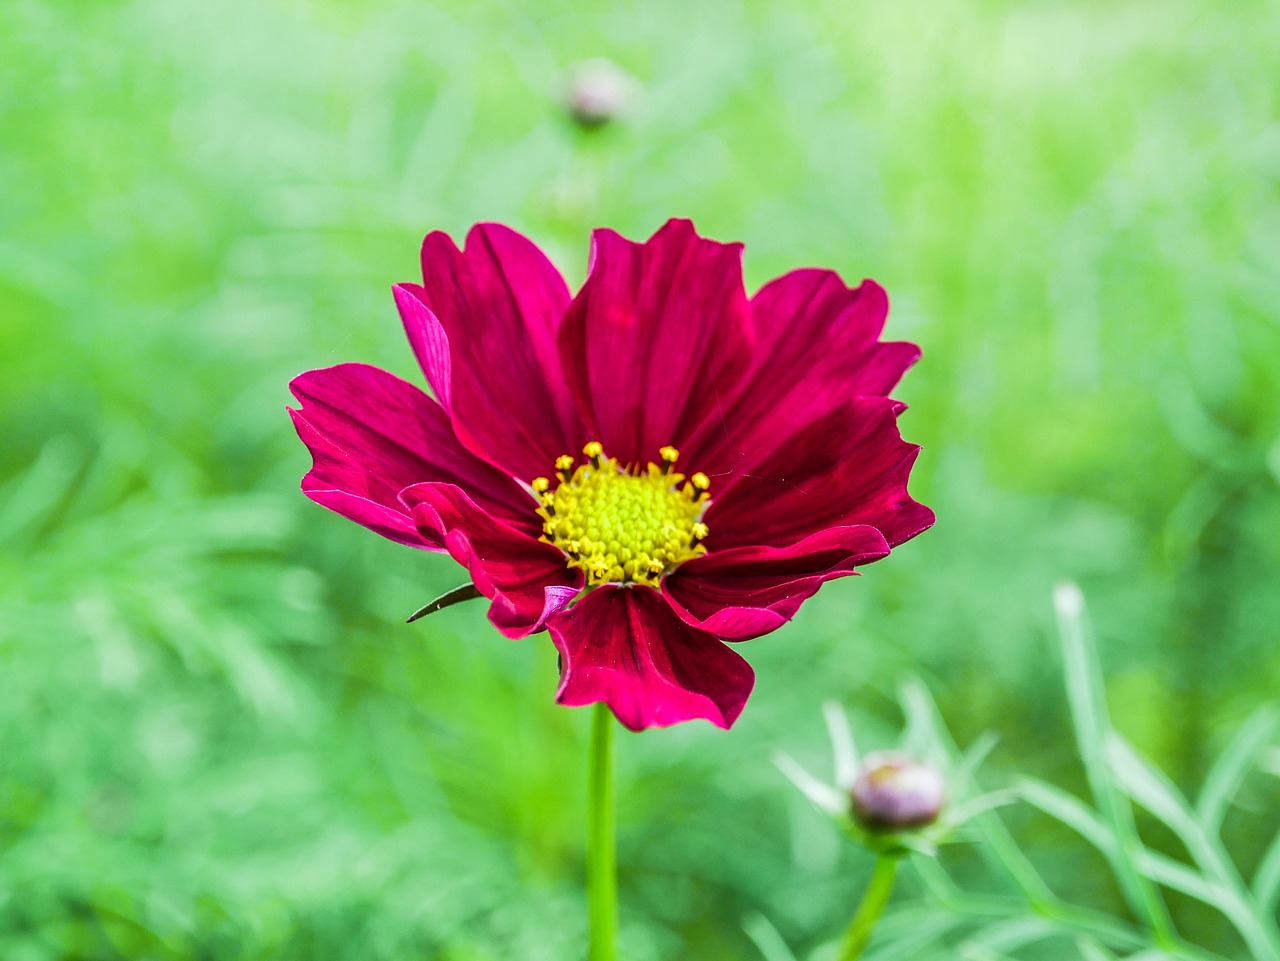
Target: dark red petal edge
{"x": 749, "y": 591}
{"x": 371, "y": 434}
{"x": 526, "y": 579}
{"x": 846, "y": 468}
{"x": 658, "y": 335}
{"x": 483, "y": 326}
{"x": 627, "y": 648}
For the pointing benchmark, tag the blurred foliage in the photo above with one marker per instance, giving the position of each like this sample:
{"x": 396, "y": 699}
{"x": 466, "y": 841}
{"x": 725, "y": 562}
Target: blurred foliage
{"x": 217, "y": 737}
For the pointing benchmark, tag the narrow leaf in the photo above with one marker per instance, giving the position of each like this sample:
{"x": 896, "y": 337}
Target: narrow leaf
{"x": 464, "y": 592}
{"x": 1233, "y": 766}
{"x": 1266, "y": 881}
{"x": 1092, "y": 727}
{"x": 824, "y": 796}
{"x": 1150, "y": 788}
{"x": 1000, "y": 846}
{"x": 843, "y": 751}
{"x": 766, "y": 938}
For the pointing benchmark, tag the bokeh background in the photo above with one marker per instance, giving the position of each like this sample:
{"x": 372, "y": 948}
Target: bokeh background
{"x": 218, "y": 739}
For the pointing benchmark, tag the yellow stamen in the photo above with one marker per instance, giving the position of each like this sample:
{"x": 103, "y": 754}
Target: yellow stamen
{"x": 624, "y": 523}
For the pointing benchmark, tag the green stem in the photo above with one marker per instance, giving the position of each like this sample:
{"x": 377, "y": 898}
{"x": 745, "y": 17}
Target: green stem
{"x": 602, "y": 869}
{"x": 873, "y": 903}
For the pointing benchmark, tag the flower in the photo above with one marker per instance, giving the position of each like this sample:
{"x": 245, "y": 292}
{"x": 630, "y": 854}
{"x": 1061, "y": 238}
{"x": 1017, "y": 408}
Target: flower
{"x": 894, "y": 792}
{"x": 646, "y": 469}
{"x": 598, "y": 91}
{"x": 891, "y": 802}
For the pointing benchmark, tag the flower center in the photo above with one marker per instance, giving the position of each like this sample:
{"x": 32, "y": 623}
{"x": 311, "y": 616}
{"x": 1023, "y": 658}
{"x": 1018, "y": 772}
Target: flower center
{"x": 619, "y": 523}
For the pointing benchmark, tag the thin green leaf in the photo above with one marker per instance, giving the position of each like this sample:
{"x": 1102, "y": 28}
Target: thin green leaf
{"x": 1072, "y": 812}
{"x": 960, "y": 814}
{"x": 1150, "y": 788}
{"x": 822, "y": 795}
{"x": 1233, "y": 766}
{"x": 1013, "y": 934}
{"x": 973, "y": 757}
{"x": 1071, "y": 921}
{"x": 999, "y": 848}
{"x": 463, "y": 592}
{"x": 843, "y": 751}
{"x": 766, "y": 938}
{"x": 1266, "y": 880}
{"x": 1179, "y": 877}
{"x": 1092, "y": 726}
{"x": 904, "y": 934}
{"x": 969, "y": 951}
{"x": 1091, "y": 950}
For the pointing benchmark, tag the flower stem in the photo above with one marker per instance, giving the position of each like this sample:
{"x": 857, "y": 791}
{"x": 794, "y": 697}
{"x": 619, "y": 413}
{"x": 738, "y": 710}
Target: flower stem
{"x": 873, "y": 903}
{"x": 602, "y": 870}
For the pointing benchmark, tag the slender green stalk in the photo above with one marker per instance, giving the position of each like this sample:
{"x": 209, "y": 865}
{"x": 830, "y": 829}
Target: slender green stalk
{"x": 873, "y": 903}
{"x": 602, "y": 869}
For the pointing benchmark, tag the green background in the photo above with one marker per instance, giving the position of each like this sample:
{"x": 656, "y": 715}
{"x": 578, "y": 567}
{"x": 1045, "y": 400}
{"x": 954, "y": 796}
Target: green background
{"x": 218, "y": 739}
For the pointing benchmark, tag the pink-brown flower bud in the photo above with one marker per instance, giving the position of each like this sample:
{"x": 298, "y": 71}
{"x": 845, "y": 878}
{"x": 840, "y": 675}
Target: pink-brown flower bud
{"x": 895, "y": 793}
{"x": 598, "y": 91}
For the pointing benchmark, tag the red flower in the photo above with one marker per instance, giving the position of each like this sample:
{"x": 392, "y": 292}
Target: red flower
{"x": 547, "y": 464}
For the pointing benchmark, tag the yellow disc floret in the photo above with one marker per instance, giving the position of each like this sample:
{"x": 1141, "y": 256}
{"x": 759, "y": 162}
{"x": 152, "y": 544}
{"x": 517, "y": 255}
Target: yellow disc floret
{"x": 624, "y": 524}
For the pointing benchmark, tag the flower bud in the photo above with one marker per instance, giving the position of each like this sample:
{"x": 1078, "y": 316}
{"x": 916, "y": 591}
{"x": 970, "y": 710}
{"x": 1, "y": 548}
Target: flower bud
{"x": 597, "y": 91}
{"x": 895, "y": 793}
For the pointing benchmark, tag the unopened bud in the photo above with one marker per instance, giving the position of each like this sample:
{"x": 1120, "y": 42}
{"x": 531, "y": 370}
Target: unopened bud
{"x": 597, "y": 91}
{"x": 895, "y": 793}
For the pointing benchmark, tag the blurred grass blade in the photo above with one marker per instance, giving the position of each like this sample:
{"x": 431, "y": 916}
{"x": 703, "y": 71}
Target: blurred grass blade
{"x": 843, "y": 751}
{"x": 973, "y": 757}
{"x": 968, "y": 951}
{"x": 1266, "y": 880}
{"x": 1071, "y": 811}
{"x": 1150, "y": 788}
{"x": 1233, "y": 766}
{"x": 959, "y": 814}
{"x": 1013, "y": 934}
{"x": 823, "y": 795}
{"x": 34, "y": 496}
{"x": 1091, "y": 950}
{"x": 1092, "y": 726}
{"x": 999, "y": 847}
{"x": 766, "y": 938}
{"x": 906, "y": 934}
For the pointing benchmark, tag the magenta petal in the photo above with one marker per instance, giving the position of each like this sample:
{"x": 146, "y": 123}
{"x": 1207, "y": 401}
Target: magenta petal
{"x": 483, "y": 325}
{"x": 749, "y": 591}
{"x": 427, "y": 338}
{"x": 849, "y": 467}
{"x": 371, "y": 434}
{"x": 626, "y": 647}
{"x": 823, "y": 335}
{"x": 526, "y": 580}
{"x": 657, "y": 336}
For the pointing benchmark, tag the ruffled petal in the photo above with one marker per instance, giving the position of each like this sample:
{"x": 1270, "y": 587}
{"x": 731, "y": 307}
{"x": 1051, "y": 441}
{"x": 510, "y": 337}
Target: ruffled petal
{"x": 658, "y": 335}
{"x": 824, "y": 336}
{"x": 745, "y": 592}
{"x": 626, "y": 647}
{"x": 371, "y": 434}
{"x": 483, "y": 326}
{"x": 526, "y": 579}
{"x": 849, "y": 467}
